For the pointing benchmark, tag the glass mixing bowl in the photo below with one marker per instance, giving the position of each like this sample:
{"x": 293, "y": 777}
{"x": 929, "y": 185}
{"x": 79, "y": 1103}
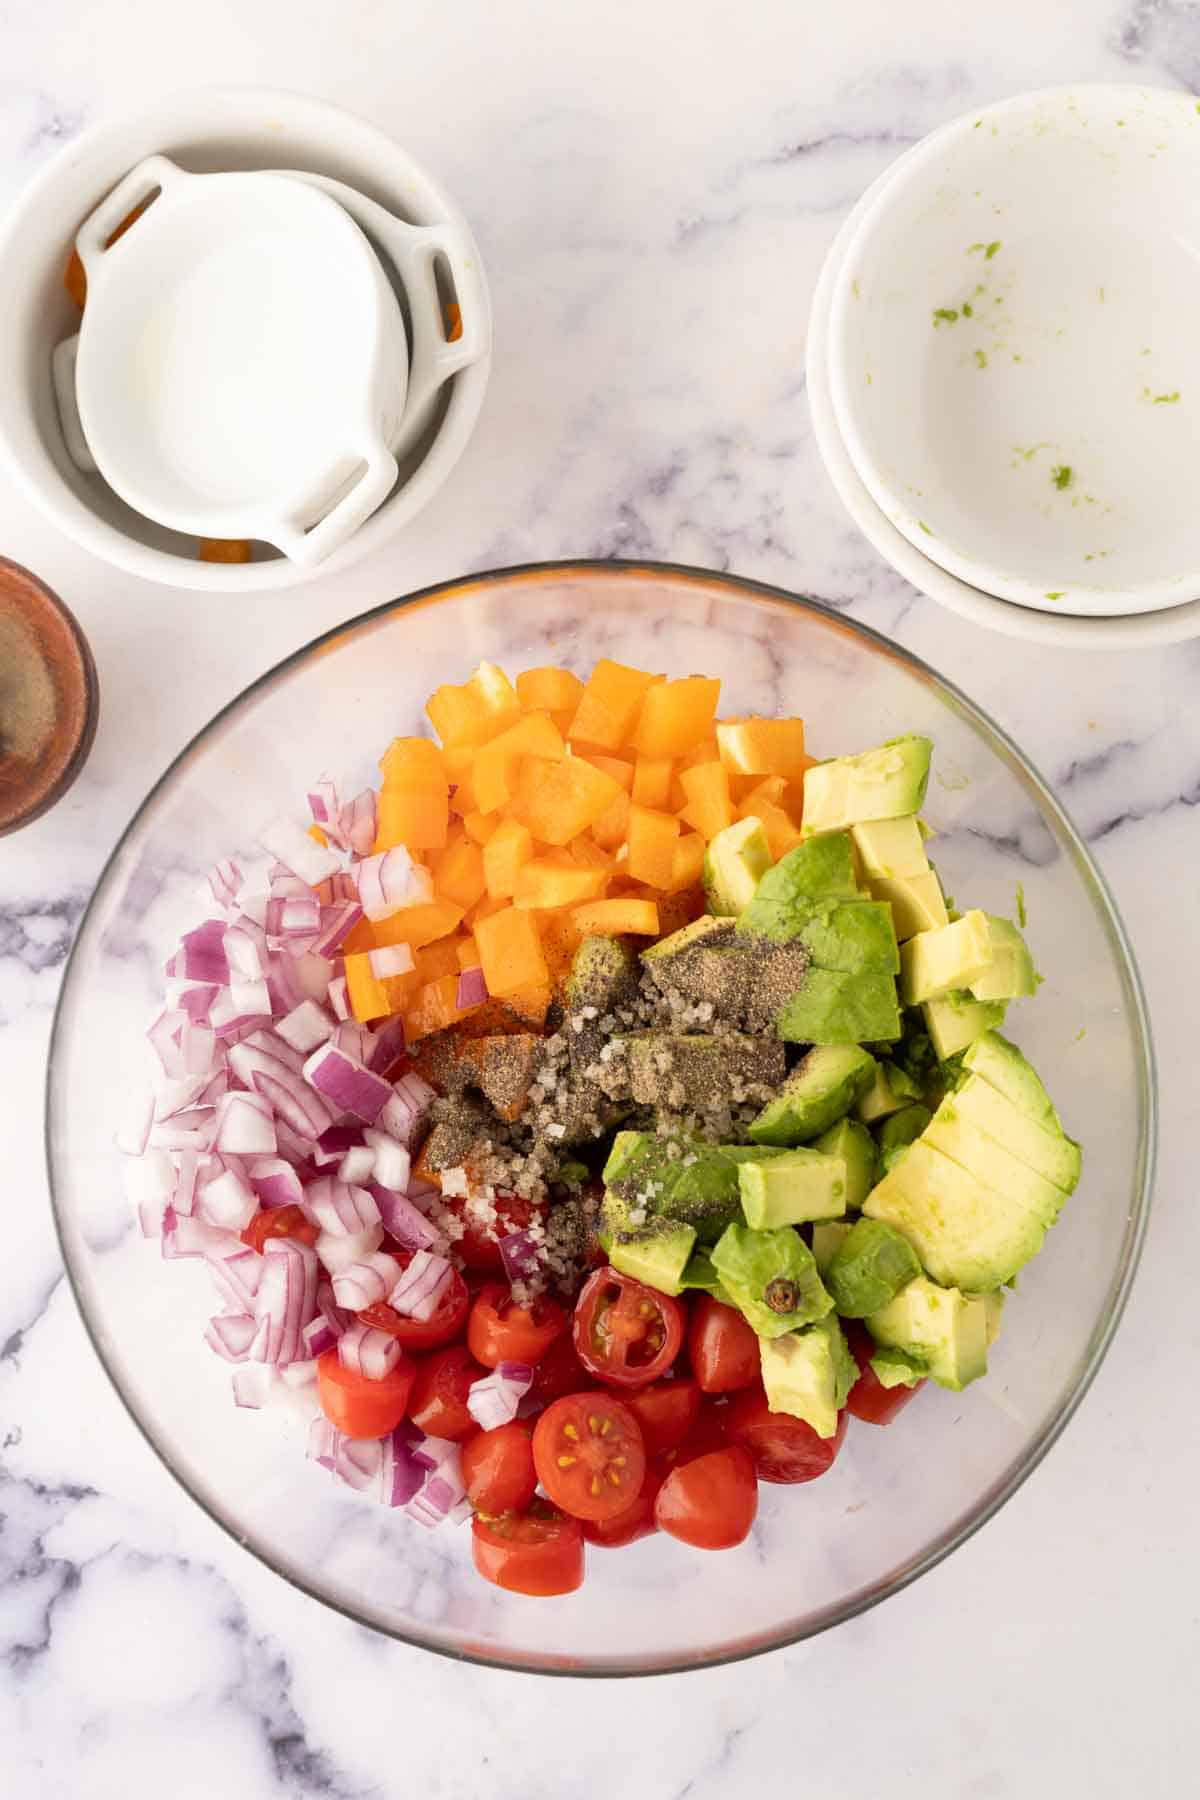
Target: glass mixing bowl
{"x": 897, "y": 1500}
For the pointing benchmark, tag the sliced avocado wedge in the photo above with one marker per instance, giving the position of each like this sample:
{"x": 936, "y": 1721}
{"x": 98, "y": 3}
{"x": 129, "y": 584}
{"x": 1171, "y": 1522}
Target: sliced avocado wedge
{"x": 886, "y": 783}
{"x": 917, "y": 902}
{"x": 734, "y": 863}
{"x": 824, "y": 1086}
{"x": 816, "y": 873}
{"x": 827, "y": 1237}
{"x": 940, "y": 1327}
{"x": 891, "y": 1089}
{"x": 1003, "y": 1067}
{"x": 900, "y": 1130}
{"x": 895, "y": 1368}
{"x": 1050, "y": 1153}
{"x": 965, "y": 1232}
{"x": 891, "y": 849}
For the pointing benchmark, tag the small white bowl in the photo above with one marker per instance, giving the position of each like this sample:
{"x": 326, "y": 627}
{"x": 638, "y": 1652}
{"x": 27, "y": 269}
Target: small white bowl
{"x": 205, "y": 131}
{"x": 1013, "y": 352}
{"x": 1063, "y": 631}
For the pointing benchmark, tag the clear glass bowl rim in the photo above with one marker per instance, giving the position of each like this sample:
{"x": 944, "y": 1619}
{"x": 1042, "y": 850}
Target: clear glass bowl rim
{"x": 1147, "y": 1093}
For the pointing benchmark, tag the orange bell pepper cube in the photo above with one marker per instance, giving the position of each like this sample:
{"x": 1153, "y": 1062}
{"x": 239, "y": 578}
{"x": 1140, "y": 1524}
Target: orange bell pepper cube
{"x": 531, "y": 1004}
{"x": 687, "y": 865}
{"x": 705, "y": 751}
{"x": 494, "y": 776}
{"x": 612, "y": 827}
{"x": 652, "y": 839}
{"x": 556, "y": 691}
{"x": 459, "y": 874}
{"x": 755, "y": 790}
{"x": 415, "y": 760}
{"x": 479, "y": 827}
{"x": 510, "y": 952}
{"x": 467, "y": 951}
{"x": 561, "y": 938}
{"x": 436, "y": 960}
{"x": 417, "y": 926}
{"x": 763, "y": 747}
{"x": 434, "y": 1008}
{"x": 609, "y": 705}
{"x": 508, "y": 848}
{"x": 558, "y": 800}
{"x": 782, "y": 835}
{"x": 483, "y": 909}
{"x": 588, "y": 854}
{"x": 613, "y": 918}
{"x": 709, "y": 806}
{"x": 676, "y": 716}
{"x": 616, "y": 766}
{"x": 652, "y": 780}
{"x": 478, "y": 710}
{"x": 417, "y": 817}
{"x": 546, "y": 882}
{"x": 366, "y": 993}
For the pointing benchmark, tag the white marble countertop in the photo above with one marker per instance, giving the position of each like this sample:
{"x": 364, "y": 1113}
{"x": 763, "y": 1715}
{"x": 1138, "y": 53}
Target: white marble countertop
{"x": 653, "y": 188}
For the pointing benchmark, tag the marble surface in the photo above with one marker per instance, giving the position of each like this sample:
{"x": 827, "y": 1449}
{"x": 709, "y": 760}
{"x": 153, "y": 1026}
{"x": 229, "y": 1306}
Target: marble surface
{"x": 653, "y": 190}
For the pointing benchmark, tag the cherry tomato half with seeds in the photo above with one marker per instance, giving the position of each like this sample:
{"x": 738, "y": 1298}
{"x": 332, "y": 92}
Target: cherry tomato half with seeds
{"x": 501, "y": 1331}
{"x": 710, "y": 1503}
{"x": 358, "y": 1406}
{"x": 666, "y": 1412}
{"x": 422, "y": 1334}
{"x": 589, "y": 1455}
{"x": 637, "y": 1520}
{"x": 784, "y": 1449}
{"x": 439, "y": 1396}
{"x": 280, "y": 1221}
{"x": 869, "y": 1399}
{"x": 535, "y": 1552}
{"x": 723, "y": 1348}
{"x": 497, "y": 1469}
{"x": 625, "y": 1332}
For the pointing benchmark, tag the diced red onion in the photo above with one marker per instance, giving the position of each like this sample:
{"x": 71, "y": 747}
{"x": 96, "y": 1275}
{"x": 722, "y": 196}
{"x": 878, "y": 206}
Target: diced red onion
{"x": 519, "y": 1254}
{"x": 340, "y": 1207}
{"x": 405, "y": 1222}
{"x": 294, "y": 1102}
{"x": 243, "y": 952}
{"x": 225, "y": 882}
{"x": 472, "y": 989}
{"x": 335, "y": 1316}
{"x": 299, "y": 853}
{"x": 287, "y": 1296}
{"x": 318, "y": 1336}
{"x": 251, "y": 1385}
{"x": 391, "y": 881}
{"x": 388, "y": 1043}
{"x": 407, "y": 1109}
{"x": 232, "y": 1335}
{"x": 345, "y": 1081}
{"x": 421, "y": 1285}
{"x": 325, "y": 803}
{"x": 423, "y": 1194}
{"x": 197, "y": 1047}
{"x": 178, "y": 1095}
{"x": 253, "y": 907}
{"x": 339, "y": 999}
{"x": 132, "y": 1134}
{"x": 217, "y": 1084}
{"x": 186, "y": 1131}
{"x": 354, "y": 1039}
{"x": 306, "y": 1026}
{"x": 357, "y": 1166}
{"x": 275, "y": 1182}
{"x": 333, "y": 1144}
{"x": 334, "y": 924}
{"x": 227, "y": 1202}
{"x": 267, "y": 1039}
{"x": 183, "y": 1236}
{"x": 183, "y": 1199}
{"x": 392, "y": 1164}
{"x": 237, "y": 1278}
{"x": 366, "y": 1282}
{"x": 284, "y": 884}
{"x": 439, "y": 1496}
{"x": 341, "y": 1250}
{"x": 245, "y": 1126}
{"x": 357, "y": 822}
{"x": 322, "y": 1442}
{"x": 358, "y": 1462}
{"x": 238, "y": 1011}
{"x": 366, "y": 1351}
{"x": 164, "y": 1041}
{"x": 298, "y": 1374}
{"x": 201, "y": 954}
{"x": 391, "y": 959}
{"x": 493, "y": 1399}
{"x": 403, "y": 1475}
{"x": 431, "y": 1452}
{"x": 311, "y": 975}
{"x": 196, "y": 1000}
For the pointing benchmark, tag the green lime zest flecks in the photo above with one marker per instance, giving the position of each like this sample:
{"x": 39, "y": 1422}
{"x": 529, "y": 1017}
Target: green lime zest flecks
{"x": 967, "y": 309}
{"x": 1082, "y": 1032}
{"x": 1054, "y": 594}
{"x": 1062, "y": 475}
{"x": 1022, "y": 915}
{"x": 924, "y": 527}
{"x": 944, "y": 315}
{"x": 1171, "y": 399}
{"x": 981, "y": 359}
{"x": 991, "y": 250}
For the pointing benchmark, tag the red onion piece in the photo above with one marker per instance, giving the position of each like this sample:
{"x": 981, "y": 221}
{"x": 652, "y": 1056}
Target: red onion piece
{"x": 183, "y": 1199}
{"x": 358, "y": 1462}
{"x": 227, "y": 1202}
{"x": 196, "y": 1000}
{"x": 354, "y": 1039}
{"x": 393, "y": 1164}
{"x": 357, "y": 822}
{"x": 368, "y": 1352}
{"x": 251, "y": 1386}
{"x": 317, "y": 1337}
{"x": 325, "y": 803}
{"x": 287, "y": 1296}
{"x": 339, "y": 999}
{"x": 366, "y": 1282}
{"x": 299, "y": 853}
{"x": 519, "y": 1254}
{"x": 357, "y": 1166}
{"x": 201, "y": 954}
{"x": 403, "y": 1221}
{"x": 442, "y": 1492}
{"x": 234, "y": 1014}
{"x": 333, "y": 1144}
{"x": 335, "y": 1316}
{"x": 340, "y": 1207}
{"x": 306, "y": 1026}
{"x": 268, "y": 1040}
{"x": 431, "y": 1452}
{"x": 294, "y": 1102}
{"x": 231, "y": 1335}
{"x": 405, "y": 1113}
{"x": 197, "y": 1047}
{"x": 335, "y": 921}
{"x": 244, "y": 947}
{"x": 472, "y": 989}
{"x": 388, "y": 1043}
{"x": 341, "y": 1250}
{"x": 390, "y": 881}
{"x": 186, "y": 1131}
{"x": 346, "y": 1082}
{"x": 493, "y": 1399}
{"x": 163, "y": 1036}
{"x": 225, "y": 882}
{"x": 403, "y": 1475}
{"x": 391, "y": 959}
{"x": 322, "y": 1442}
{"x": 245, "y": 1126}
{"x": 274, "y": 1182}
{"x": 421, "y": 1285}
{"x": 178, "y": 1095}
{"x": 183, "y": 1237}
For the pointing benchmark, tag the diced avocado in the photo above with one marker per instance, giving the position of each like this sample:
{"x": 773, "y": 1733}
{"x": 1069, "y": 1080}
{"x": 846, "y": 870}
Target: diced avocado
{"x": 855, "y": 937}
{"x": 659, "y": 1259}
{"x": 936, "y": 1325}
{"x": 870, "y": 1268}
{"x": 1003, "y": 1067}
{"x": 895, "y": 1368}
{"x": 820, "y": 1090}
{"x": 1050, "y": 1152}
{"x": 900, "y": 1130}
{"x": 810, "y": 875}
{"x": 891, "y": 1089}
{"x": 891, "y": 849}
{"x": 684, "y": 1070}
{"x": 809, "y": 1374}
{"x": 826, "y": 1237}
{"x": 834, "y": 1008}
{"x": 1010, "y": 975}
{"x": 856, "y": 1147}
{"x": 770, "y": 1276}
{"x": 933, "y": 962}
{"x": 886, "y": 783}
{"x": 993, "y": 1306}
{"x": 696, "y": 1185}
{"x": 956, "y": 1019}
{"x": 705, "y": 929}
{"x": 793, "y": 1187}
{"x": 917, "y": 902}
{"x": 603, "y": 974}
{"x": 701, "y": 1276}
{"x": 965, "y": 1232}
{"x": 734, "y": 863}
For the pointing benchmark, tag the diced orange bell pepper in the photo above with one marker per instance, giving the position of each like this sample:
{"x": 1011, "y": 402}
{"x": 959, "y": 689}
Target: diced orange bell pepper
{"x": 318, "y": 837}
{"x": 483, "y": 909}
{"x": 609, "y": 705}
{"x": 360, "y": 937}
{"x": 782, "y": 835}
{"x": 510, "y": 846}
{"x": 616, "y": 766}
{"x": 418, "y": 925}
{"x": 510, "y": 952}
{"x": 546, "y": 882}
{"x": 531, "y": 1004}
{"x": 417, "y": 817}
{"x": 434, "y": 1008}
{"x": 479, "y": 827}
{"x": 709, "y": 808}
{"x": 613, "y": 918}
{"x": 589, "y": 854}
{"x": 561, "y": 938}
{"x": 462, "y": 797}
{"x": 763, "y": 747}
{"x": 705, "y": 751}
{"x": 459, "y": 874}
{"x": 366, "y": 993}
{"x": 436, "y": 960}
{"x": 495, "y": 773}
{"x": 652, "y": 780}
{"x": 676, "y": 716}
{"x": 760, "y": 790}
{"x": 476, "y": 711}
{"x": 612, "y": 827}
{"x": 652, "y": 839}
{"x": 558, "y": 800}
{"x": 687, "y": 864}
{"x": 555, "y": 691}
{"x": 414, "y": 760}
{"x": 467, "y": 951}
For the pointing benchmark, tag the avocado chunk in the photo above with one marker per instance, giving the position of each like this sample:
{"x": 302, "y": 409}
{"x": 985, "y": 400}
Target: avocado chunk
{"x": 793, "y": 1187}
{"x": 702, "y": 1277}
{"x": 933, "y": 962}
{"x": 735, "y": 861}
{"x": 938, "y": 1326}
{"x": 856, "y": 1147}
{"x": 957, "y": 1019}
{"x": 890, "y": 849}
{"x": 1003, "y": 1067}
{"x": 684, "y": 1071}
{"x": 809, "y": 1374}
{"x": 604, "y": 974}
{"x": 891, "y": 1089}
{"x": 873, "y": 1263}
{"x": 886, "y": 783}
{"x": 917, "y": 902}
{"x": 770, "y": 1276}
{"x": 900, "y": 1130}
{"x": 1010, "y": 975}
{"x": 835, "y": 1008}
{"x": 893, "y": 1368}
{"x": 826, "y": 1238}
{"x": 1050, "y": 1153}
{"x": 743, "y": 980}
{"x": 821, "y": 1089}
{"x": 966, "y": 1232}
{"x": 658, "y": 1259}
{"x": 677, "y": 1178}
{"x": 704, "y": 930}
{"x": 855, "y": 937}
{"x": 814, "y": 874}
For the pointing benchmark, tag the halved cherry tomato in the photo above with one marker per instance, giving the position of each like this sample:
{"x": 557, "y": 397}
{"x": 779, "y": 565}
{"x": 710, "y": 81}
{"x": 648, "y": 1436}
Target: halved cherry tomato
{"x": 722, "y": 1347}
{"x": 422, "y": 1334}
{"x": 479, "y": 1251}
{"x": 497, "y": 1467}
{"x": 279, "y": 1221}
{"x": 784, "y": 1449}
{"x": 707, "y": 1434}
{"x": 869, "y": 1399}
{"x": 712, "y": 1502}
{"x": 589, "y": 1455}
{"x": 557, "y": 1373}
{"x": 666, "y": 1412}
{"x": 360, "y": 1407}
{"x": 439, "y": 1396}
{"x": 637, "y": 1520}
{"x": 625, "y": 1332}
{"x": 501, "y": 1331}
{"x": 536, "y": 1552}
